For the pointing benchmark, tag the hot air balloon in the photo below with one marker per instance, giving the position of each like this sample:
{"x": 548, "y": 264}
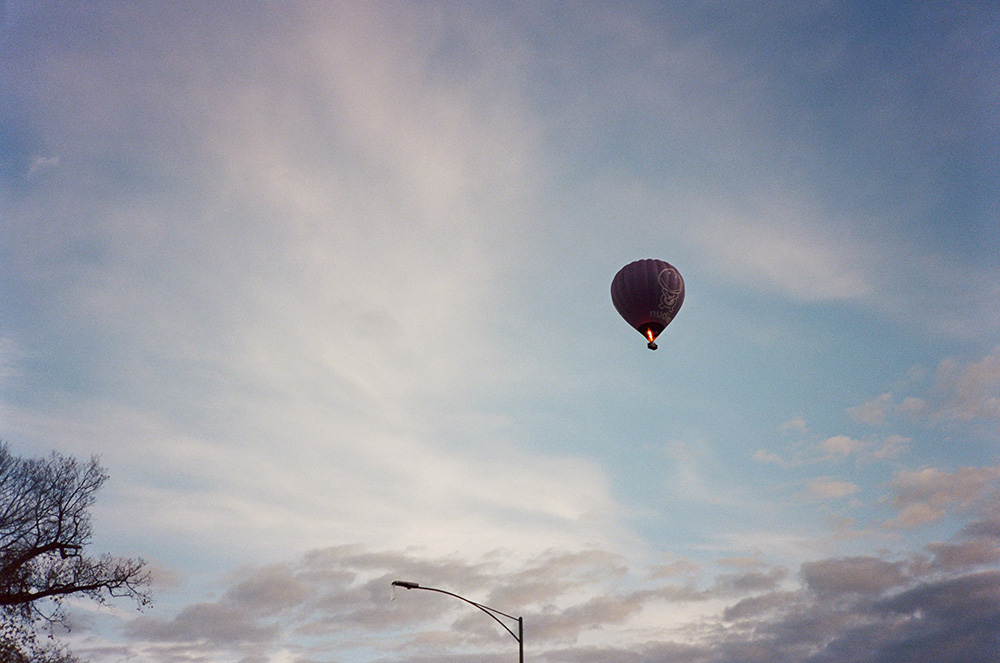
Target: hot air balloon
{"x": 648, "y": 293}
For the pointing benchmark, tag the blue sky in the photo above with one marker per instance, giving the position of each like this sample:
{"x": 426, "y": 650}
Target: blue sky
{"x": 326, "y": 287}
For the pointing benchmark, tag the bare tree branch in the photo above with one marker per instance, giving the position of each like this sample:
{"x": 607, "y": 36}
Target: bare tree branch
{"x": 44, "y": 530}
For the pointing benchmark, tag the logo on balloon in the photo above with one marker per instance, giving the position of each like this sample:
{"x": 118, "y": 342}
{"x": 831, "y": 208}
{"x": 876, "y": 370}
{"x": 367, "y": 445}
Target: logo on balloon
{"x": 672, "y": 286}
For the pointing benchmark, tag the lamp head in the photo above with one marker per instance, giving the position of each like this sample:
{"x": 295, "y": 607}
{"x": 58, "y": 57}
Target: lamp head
{"x": 404, "y": 583}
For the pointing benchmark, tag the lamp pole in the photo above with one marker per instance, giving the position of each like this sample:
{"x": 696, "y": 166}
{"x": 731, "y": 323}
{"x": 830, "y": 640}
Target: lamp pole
{"x": 492, "y": 612}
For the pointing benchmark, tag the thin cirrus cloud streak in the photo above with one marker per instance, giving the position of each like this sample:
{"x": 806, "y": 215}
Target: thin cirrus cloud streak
{"x": 169, "y": 323}
{"x": 366, "y": 485}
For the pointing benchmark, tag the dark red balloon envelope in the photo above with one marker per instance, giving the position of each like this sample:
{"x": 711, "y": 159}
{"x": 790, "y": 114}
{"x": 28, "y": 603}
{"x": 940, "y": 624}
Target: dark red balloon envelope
{"x": 648, "y": 294}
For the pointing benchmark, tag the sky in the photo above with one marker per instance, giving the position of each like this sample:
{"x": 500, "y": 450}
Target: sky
{"x": 326, "y": 288}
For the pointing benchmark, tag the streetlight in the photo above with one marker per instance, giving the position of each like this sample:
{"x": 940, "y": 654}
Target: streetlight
{"x": 492, "y": 612}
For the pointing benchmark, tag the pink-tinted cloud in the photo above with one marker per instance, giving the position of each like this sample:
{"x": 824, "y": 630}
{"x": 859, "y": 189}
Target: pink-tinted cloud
{"x": 924, "y": 496}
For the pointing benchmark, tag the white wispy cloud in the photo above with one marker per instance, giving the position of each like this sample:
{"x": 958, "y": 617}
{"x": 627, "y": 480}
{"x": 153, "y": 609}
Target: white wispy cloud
{"x": 830, "y": 488}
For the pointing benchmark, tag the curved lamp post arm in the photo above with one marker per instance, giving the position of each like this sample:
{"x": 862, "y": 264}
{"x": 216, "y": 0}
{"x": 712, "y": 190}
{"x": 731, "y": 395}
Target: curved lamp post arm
{"x": 492, "y": 612}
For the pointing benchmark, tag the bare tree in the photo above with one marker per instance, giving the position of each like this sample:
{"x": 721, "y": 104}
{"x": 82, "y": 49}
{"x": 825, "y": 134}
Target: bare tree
{"x": 44, "y": 528}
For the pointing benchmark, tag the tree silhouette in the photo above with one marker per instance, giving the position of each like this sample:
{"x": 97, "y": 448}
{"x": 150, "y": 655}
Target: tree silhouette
{"x": 44, "y": 528}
